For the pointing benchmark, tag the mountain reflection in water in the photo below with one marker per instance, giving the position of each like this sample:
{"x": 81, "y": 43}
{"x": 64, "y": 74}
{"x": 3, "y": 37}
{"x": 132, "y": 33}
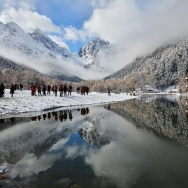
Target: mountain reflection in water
{"x": 131, "y": 144}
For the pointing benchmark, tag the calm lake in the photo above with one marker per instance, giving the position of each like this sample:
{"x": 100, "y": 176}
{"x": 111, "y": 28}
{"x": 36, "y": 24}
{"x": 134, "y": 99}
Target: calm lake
{"x": 141, "y": 143}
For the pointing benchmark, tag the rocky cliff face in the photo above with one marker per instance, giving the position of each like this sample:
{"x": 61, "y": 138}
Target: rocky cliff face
{"x": 96, "y": 133}
{"x": 92, "y": 48}
{"x": 162, "y": 68}
{"x": 96, "y": 54}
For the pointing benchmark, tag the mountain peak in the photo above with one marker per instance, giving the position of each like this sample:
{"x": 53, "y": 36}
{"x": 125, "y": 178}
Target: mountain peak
{"x": 13, "y": 25}
{"x": 38, "y": 31}
{"x": 13, "y": 29}
{"x": 93, "y": 47}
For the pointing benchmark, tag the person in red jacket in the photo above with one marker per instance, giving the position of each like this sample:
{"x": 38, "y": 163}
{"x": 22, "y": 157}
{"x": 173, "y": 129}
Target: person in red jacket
{"x": 33, "y": 89}
{"x": 109, "y": 91}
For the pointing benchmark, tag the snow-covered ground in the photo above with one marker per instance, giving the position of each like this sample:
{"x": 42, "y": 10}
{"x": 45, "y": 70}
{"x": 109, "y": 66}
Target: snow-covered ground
{"x": 23, "y": 102}
{"x": 149, "y": 90}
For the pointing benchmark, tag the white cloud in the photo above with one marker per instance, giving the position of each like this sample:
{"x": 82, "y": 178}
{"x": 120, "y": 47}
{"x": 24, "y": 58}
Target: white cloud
{"x": 28, "y": 19}
{"x": 75, "y": 151}
{"x": 59, "y": 41}
{"x": 100, "y": 3}
{"x": 73, "y": 34}
{"x": 30, "y": 165}
{"x": 139, "y": 28}
{"x": 115, "y": 21}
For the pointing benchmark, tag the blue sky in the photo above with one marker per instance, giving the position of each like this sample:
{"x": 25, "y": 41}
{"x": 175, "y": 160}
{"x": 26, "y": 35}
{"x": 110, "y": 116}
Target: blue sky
{"x": 73, "y": 23}
{"x": 63, "y": 13}
{"x": 70, "y": 14}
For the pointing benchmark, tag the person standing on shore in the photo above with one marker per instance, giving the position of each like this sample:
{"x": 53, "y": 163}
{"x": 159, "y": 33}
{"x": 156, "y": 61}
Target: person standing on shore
{"x": 61, "y": 90}
{"x": 39, "y": 91}
{"x": 109, "y": 91}
{"x": 78, "y": 90}
{"x": 55, "y": 90}
{"x": 12, "y": 90}
{"x": 48, "y": 89}
{"x": 21, "y": 87}
{"x": 44, "y": 90}
{"x": 33, "y": 90}
{"x": 65, "y": 90}
{"x": 1, "y": 91}
{"x": 70, "y": 90}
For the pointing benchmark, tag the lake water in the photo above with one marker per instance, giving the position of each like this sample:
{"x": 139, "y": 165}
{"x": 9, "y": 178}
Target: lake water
{"x": 131, "y": 144}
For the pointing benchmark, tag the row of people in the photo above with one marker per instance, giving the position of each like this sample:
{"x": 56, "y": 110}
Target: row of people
{"x": 45, "y": 90}
{"x": 18, "y": 86}
{"x": 12, "y": 89}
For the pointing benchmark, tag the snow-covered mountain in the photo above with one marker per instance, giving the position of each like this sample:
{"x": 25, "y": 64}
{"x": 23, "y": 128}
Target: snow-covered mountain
{"x": 90, "y": 50}
{"x": 39, "y": 36}
{"x": 35, "y": 50}
{"x": 96, "y": 55}
{"x": 96, "y": 132}
{"x": 162, "y": 68}
{"x": 13, "y": 37}
{"x": 41, "y": 53}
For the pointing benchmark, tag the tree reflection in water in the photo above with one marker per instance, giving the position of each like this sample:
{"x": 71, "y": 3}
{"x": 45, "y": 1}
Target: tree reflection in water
{"x": 164, "y": 115}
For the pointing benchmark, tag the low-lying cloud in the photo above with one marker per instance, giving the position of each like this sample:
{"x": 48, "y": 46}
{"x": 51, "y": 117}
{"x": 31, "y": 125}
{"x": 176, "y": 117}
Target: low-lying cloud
{"x": 44, "y": 64}
{"x": 139, "y": 29}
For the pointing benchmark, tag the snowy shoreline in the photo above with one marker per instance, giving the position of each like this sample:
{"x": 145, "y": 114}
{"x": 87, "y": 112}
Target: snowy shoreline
{"x": 22, "y": 102}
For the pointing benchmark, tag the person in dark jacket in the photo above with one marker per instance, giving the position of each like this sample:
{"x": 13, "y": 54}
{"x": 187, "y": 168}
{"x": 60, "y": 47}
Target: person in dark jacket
{"x": 70, "y": 90}
{"x": 1, "y": 91}
{"x": 61, "y": 90}
{"x": 21, "y": 87}
{"x": 87, "y": 89}
{"x": 65, "y": 90}
{"x": 48, "y": 89}
{"x": 55, "y": 90}
{"x": 44, "y": 90}
{"x": 39, "y": 91}
{"x": 12, "y": 90}
{"x": 78, "y": 90}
